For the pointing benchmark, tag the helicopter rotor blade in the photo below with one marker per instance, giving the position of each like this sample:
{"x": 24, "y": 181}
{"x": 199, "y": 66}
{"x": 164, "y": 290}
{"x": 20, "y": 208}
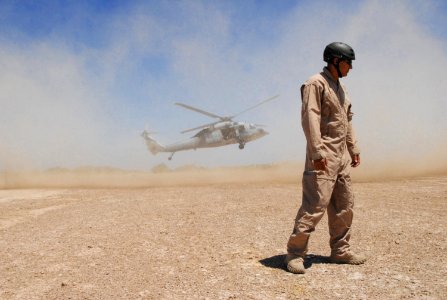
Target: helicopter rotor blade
{"x": 219, "y": 117}
{"x": 252, "y": 107}
{"x": 199, "y": 127}
{"x": 201, "y": 111}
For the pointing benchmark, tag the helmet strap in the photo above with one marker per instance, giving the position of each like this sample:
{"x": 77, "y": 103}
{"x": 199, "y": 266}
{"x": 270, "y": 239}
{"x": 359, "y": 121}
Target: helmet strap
{"x": 337, "y": 66}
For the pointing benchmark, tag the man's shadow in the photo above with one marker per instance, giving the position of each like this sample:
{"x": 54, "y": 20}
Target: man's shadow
{"x": 277, "y": 261}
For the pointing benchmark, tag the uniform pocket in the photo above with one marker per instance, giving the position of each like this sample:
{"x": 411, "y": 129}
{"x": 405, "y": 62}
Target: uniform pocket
{"x": 317, "y": 186}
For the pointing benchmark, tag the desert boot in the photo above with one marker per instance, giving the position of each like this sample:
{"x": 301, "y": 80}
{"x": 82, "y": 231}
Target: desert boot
{"x": 349, "y": 258}
{"x": 295, "y": 264}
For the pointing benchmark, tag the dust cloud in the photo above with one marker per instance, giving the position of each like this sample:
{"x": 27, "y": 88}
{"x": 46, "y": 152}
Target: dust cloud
{"x": 281, "y": 173}
{"x": 116, "y": 178}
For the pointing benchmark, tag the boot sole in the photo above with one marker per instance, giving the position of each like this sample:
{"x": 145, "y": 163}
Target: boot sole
{"x": 349, "y": 262}
{"x": 295, "y": 271}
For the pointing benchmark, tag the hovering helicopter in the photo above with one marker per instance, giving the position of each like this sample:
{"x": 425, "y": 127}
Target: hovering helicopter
{"x": 223, "y": 132}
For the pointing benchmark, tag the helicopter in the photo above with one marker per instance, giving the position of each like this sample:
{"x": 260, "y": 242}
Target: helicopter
{"x": 222, "y": 132}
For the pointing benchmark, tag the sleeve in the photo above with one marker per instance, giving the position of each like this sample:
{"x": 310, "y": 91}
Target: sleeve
{"x": 310, "y": 119}
{"x": 351, "y": 140}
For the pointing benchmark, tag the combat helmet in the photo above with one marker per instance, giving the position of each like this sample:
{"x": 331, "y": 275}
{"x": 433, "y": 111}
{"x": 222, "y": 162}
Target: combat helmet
{"x": 338, "y": 50}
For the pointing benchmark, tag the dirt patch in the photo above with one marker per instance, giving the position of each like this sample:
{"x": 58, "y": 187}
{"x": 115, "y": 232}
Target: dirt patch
{"x": 224, "y": 241}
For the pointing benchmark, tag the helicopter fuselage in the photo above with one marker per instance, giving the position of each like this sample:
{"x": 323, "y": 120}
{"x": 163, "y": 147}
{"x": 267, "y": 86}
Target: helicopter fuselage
{"x": 219, "y": 136}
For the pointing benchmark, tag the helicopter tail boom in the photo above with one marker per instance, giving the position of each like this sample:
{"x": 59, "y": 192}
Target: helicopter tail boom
{"x": 152, "y": 145}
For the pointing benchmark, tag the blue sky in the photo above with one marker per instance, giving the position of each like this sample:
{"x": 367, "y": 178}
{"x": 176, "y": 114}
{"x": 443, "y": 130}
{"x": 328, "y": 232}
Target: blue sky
{"x": 82, "y": 79}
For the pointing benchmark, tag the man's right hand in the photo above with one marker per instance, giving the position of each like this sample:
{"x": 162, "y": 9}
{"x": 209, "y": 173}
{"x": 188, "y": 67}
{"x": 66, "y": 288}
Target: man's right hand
{"x": 320, "y": 164}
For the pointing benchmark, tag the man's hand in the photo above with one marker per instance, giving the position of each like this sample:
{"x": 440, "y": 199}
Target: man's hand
{"x": 355, "y": 160}
{"x": 320, "y": 164}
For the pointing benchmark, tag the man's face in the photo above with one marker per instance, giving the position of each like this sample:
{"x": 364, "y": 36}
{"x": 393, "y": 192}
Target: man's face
{"x": 345, "y": 66}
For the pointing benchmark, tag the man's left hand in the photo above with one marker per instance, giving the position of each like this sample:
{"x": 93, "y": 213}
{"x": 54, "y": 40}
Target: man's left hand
{"x": 355, "y": 160}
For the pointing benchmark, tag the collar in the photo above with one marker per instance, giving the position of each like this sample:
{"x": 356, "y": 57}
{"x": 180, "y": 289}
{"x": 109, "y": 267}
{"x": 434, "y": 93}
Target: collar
{"x": 329, "y": 75}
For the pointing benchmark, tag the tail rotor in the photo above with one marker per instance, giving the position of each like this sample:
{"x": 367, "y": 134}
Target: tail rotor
{"x": 152, "y": 145}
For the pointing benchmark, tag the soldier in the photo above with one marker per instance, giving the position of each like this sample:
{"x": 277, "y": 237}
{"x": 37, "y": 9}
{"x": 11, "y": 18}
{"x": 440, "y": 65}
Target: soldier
{"x": 331, "y": 150}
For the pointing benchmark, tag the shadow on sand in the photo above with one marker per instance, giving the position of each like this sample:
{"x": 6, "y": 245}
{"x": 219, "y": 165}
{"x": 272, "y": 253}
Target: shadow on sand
{"x": 277, "y": 261}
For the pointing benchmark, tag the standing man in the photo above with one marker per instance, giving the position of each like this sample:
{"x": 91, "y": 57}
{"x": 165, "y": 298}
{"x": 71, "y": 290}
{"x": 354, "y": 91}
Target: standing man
{"x": 331, "y": 150}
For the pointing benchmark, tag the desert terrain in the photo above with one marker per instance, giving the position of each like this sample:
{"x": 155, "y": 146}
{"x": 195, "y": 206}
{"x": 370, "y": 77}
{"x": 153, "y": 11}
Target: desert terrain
{"x": 218, "y": 235}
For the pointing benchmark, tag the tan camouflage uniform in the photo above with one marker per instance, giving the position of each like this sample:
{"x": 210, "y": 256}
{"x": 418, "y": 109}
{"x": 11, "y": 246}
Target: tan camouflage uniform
{"x": 326, "y": 120}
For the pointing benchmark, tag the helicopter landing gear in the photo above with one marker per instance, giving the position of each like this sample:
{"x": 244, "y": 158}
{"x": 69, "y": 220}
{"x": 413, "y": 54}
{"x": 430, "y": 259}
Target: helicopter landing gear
{"x": 239, "y": 140}
{"x": 170, "y": 157}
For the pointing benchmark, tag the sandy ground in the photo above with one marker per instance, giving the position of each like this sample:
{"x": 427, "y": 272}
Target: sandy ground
{"x": 218, "y": 241}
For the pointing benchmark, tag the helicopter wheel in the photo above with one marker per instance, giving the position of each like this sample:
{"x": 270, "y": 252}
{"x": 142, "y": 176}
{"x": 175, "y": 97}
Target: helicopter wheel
{"x": 241, "y": 146}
